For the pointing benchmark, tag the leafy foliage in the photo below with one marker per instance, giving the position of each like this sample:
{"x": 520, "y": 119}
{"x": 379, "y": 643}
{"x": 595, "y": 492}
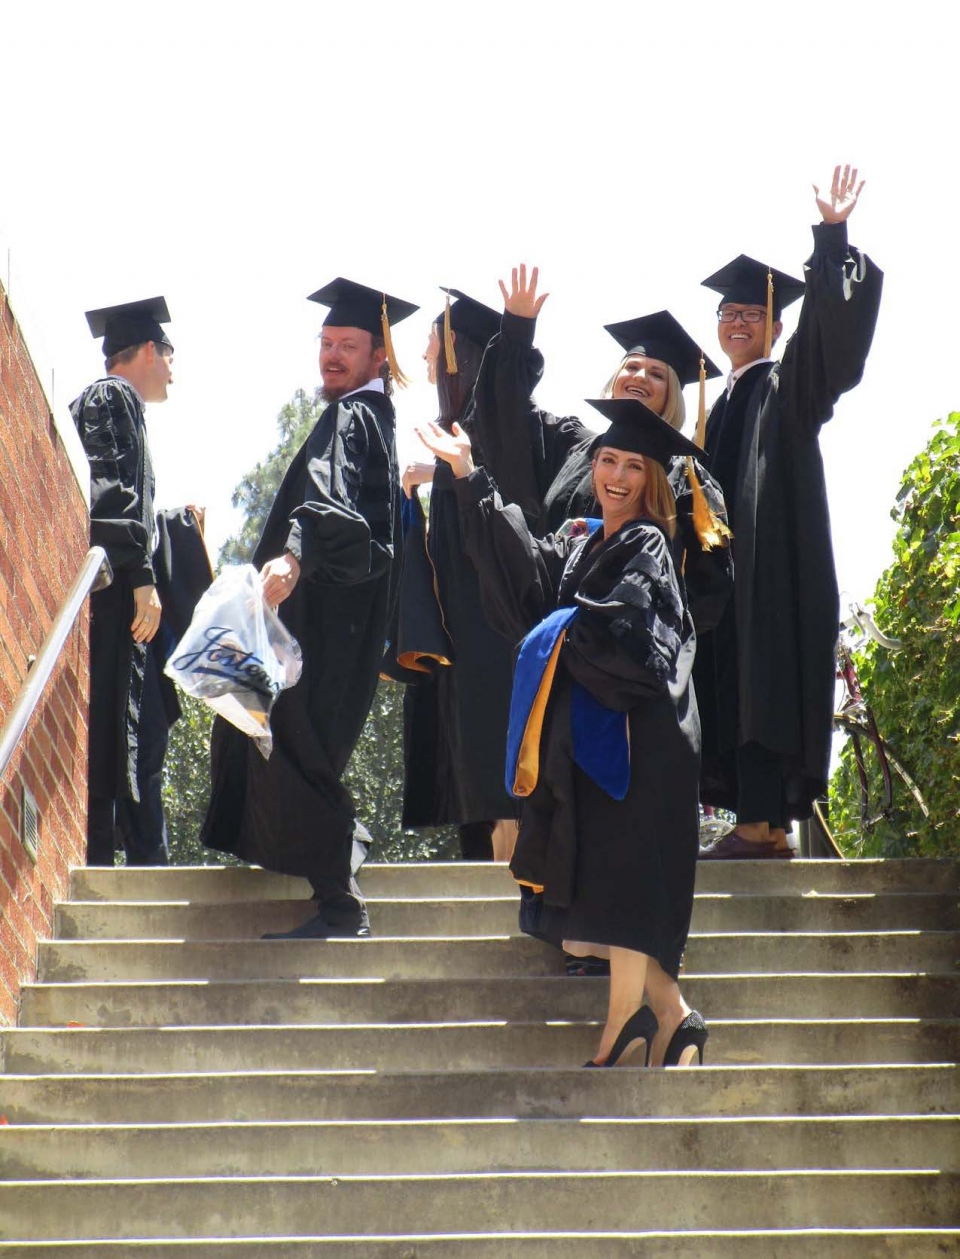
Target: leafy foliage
{"x": 915, "y": 692}
{"x": 258, "y": 489}
{"x": 375, "y": 772}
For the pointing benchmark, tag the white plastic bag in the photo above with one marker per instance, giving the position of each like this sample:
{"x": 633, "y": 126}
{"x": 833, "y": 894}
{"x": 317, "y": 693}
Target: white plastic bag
{"x": 237, "y": 656}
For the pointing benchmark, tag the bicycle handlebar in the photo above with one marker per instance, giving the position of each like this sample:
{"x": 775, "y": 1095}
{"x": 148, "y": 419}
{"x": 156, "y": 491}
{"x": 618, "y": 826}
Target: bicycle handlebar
{"x": 858, "y": 617}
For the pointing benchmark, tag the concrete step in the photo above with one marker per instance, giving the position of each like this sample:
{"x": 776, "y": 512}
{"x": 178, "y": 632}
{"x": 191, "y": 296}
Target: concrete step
{"x": 198, "y": 1002}
{"x": 497, "y": 915}
{"x": 813, "y": 1243}
{"x": 522, "y": 1092}
{"x": 560, "y": 1202}
{"x": 424, "y": 1147}
{"x": 457, "y": 878}
{"x": 453, "y": 1046}
{"x": 68, "y": 961}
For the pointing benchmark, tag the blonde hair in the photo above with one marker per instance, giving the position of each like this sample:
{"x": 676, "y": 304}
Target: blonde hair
{"x": 674, "y": 411}
{"x": 657, "y": 502}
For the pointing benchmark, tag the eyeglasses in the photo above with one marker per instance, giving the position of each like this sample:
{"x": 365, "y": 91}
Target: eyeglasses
{"x": 748, "y": 316}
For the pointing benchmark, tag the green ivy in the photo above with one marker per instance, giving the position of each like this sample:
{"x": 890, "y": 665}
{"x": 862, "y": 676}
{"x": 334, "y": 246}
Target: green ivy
{"x": 915, "y": 692}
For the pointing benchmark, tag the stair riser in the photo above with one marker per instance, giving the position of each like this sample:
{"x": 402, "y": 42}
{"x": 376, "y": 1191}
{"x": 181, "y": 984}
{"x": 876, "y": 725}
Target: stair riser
{"x": 70, "y": 961}
{"x": 226, "y": 1208}
{"x": 818, "y": 1244}
{"x": 451, "y": 1047}
{"x": 522, "y": 999}
{"x": 155, "y": 921}
{"x": 83, "y": 1153}
{"x": 461, "y": 879}
{"x": 524, "y": 1093}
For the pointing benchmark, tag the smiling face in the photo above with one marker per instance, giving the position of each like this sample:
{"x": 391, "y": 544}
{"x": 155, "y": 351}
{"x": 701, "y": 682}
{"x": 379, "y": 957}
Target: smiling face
{"x": 431, "y": 354}
{"x": 644, "y": 379}
{"x": 348, "y": 361}
{"x": 741, "y": 337}
{"x": 619, "y": 479}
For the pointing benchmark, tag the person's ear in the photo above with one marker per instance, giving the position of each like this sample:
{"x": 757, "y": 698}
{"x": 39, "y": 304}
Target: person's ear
{"x": 776, "y": 330}
{"x": 379, "y": 356}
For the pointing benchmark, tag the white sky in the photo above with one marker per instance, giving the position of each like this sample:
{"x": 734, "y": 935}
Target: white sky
{"x": 235, "y": 156}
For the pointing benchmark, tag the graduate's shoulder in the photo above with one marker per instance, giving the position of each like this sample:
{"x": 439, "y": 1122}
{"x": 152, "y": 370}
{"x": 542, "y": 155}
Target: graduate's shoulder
{"x": 109, "y": 391}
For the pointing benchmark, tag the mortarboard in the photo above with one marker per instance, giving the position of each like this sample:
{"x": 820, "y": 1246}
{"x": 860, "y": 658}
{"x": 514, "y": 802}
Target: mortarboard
{"x": 661, "y": 336}
{"x": 357, "y": 306}
{"x": 635, "y": 427}
{"x": 130, "y": 323}
{"x": 468, "y": 317}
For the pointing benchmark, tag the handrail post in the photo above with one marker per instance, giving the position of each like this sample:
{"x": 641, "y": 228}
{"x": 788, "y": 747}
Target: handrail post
{"x": 95, "y": 573}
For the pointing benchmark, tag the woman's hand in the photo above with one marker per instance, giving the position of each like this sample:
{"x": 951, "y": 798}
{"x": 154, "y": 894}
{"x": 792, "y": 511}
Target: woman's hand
{"x": 415, "y": 474}
{"x": 279, "y": 577}
{"x": 839, "y": 204}
{"x": 452, "y": 448}
{"x": 522, "y": 299}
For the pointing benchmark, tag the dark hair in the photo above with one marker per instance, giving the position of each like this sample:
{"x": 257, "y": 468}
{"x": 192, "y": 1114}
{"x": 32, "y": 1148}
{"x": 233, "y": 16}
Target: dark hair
{"x": 454, "y": 389}
{"x": 378, "y": 343}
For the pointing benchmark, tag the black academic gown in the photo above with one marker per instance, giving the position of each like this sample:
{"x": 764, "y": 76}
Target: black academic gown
{"x": 765, "y": 675}
{"x": 455, "y": 717}
{"x": 542, "y": 462}
{"x": 337, "y": 511}
{"x": 110, "y": 420}
{"x": 613, "y": 872}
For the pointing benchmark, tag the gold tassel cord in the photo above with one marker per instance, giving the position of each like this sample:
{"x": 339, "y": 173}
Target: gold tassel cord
{"x": 395, "y": 371}
{"x": 768, "y": 327}
{"x": 700, "y": 437}
{"x": 448, "y": 348}
{"x": 707, "y": 525}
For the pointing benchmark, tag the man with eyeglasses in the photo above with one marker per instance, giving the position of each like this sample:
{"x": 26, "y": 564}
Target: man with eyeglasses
{"x": 128, "y": 723}
{"x": 764, "y": 676}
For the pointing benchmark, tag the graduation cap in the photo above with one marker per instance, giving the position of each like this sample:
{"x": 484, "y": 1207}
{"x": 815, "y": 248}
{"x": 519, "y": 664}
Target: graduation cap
{"x": 752, "y": 283}
{"x": 130, "y": 323}
{"x": 357, "y": 306}
{"x": 662, "y": 337}
{"x": 635, "y": 427}
{"x": 468, "y": 317}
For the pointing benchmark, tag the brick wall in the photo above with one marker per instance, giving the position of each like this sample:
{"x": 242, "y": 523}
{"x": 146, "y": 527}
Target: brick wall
{"x": 44, "y": 529}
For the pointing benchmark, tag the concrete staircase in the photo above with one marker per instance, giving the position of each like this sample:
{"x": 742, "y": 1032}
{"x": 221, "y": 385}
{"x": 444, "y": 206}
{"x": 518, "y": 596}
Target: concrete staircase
{"x": 178, "y": 1087}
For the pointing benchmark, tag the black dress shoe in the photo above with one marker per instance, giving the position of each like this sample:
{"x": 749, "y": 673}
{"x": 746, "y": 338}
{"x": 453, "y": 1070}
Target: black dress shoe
{"x": 583, "y": 967}
{"x": 336, "y": 920}
{"x": 692, "y": 1033}
{"x": 641, "y": 1026}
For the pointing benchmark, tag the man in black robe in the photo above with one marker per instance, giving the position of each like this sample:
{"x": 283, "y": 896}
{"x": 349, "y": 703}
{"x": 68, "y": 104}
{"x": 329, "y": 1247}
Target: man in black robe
{"x": 128, "y": 723}
{"x": 329, "y": 557}
{"x": 764, "y": 676}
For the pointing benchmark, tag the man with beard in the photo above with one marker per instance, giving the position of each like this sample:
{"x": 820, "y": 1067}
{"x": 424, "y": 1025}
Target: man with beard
{"x": 329, "y": 557}
{"x": 128, "y": 723}
{"x": 764, "y": 675}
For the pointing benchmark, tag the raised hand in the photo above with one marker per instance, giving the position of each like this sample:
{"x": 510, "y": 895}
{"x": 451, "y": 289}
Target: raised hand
{"x": 522, "y": 299}
{"x": 452, "y": 448}
{"x": 838, "y": 205}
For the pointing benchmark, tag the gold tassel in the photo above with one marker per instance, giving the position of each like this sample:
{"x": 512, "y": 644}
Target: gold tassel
{"x": 700, "y": 436}
{"x": 707, "y": 525}
{"x": 448, "y": 349}
{"x": 768, "y": 328}
{"x": 395, "y": 371}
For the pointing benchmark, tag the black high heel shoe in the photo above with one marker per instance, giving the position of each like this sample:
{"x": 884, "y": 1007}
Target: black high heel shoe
{"x": 640, "y": 1026}
{"x": 691, "y": 1034}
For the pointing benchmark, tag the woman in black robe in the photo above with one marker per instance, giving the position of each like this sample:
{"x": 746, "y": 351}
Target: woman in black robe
{"x": 455, "y": 713}
{"x": 542, "y": 462}
{"x": 608, "y": 764}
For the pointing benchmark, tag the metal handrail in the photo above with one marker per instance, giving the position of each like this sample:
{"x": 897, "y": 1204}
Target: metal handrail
{"x": 95, "y": 573}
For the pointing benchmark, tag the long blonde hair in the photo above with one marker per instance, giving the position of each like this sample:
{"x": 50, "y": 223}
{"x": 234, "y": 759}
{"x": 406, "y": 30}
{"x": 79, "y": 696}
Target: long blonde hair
{"x": 674, "y": 411}
{"x": 657, "y": 502}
